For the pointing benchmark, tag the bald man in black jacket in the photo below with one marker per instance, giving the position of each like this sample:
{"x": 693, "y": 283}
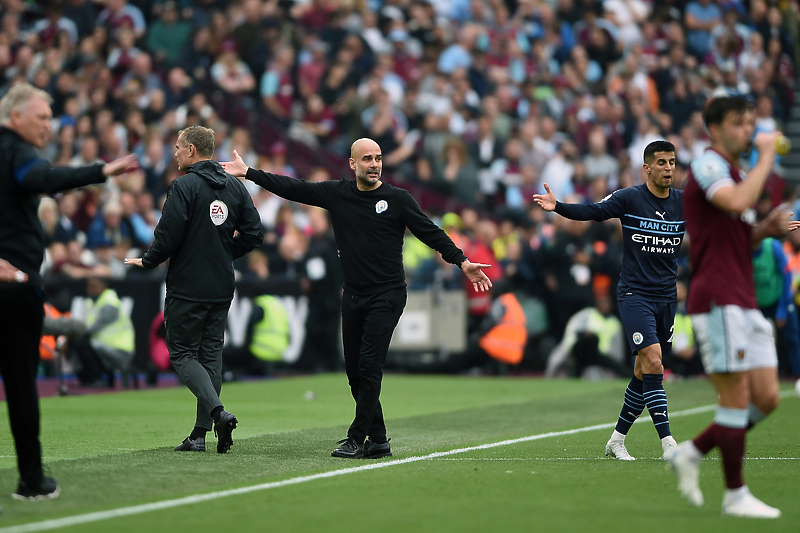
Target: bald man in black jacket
{"x": 369, "y": 219}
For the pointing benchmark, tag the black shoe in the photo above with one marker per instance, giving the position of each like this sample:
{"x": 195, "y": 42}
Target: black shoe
{"x": 374, "y": 450}
{"x": 223, "y": 429}
{"x": 189, "y": 445}
{"x": 349, "y": 449}
{"x": 47, "y": 490}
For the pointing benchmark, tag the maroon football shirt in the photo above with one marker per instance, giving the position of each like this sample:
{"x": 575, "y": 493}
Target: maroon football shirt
{"x": 720, "y": 242}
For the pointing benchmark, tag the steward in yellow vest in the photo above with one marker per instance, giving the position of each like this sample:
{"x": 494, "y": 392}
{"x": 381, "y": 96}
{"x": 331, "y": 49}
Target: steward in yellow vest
{"x": 271, "y": 332}
{"x": 111, "y": 339}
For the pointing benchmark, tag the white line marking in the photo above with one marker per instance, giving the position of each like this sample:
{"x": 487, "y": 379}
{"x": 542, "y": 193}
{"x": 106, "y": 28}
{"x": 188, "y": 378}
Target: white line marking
{"x": 57, "y": 523}
{"x": 598, "y": 458}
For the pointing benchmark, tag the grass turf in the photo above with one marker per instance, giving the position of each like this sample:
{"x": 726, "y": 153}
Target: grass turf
{"x": 115, "y": 450}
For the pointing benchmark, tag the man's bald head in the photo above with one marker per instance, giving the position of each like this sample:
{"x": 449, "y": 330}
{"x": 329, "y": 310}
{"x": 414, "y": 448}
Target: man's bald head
{"x": 362, "y": 145}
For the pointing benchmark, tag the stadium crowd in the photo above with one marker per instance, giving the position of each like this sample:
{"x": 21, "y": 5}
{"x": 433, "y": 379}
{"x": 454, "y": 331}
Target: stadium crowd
{"x": 475, "y": 104}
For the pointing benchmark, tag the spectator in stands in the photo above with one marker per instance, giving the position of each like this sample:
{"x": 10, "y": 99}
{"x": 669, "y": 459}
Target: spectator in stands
{"x": 317, "y": 124}
{"x": 48, "y": 216}
{"x": 107, "y": 229}
{"x": 454, "y": 174}
{"x": 701, "y": 16}
{"x": 276, "y": 88}
{"x": 480, "y": 249}
{"x": 119, "y": 14}
{"x": 436, "y": 274}
{"x": 168, "y": 35}
{"x": 45, "y": 32}
{"x": 312, "y": 65}
{"x": 120, "y": 59}
{"x": 65, "y": 228}
{"x": 598, "y": 161}
{"x": 234, "y": 78}
{"x": 138, "y": 228}
{"x": 82, "y": 14}
{"x": 256, "y": 267}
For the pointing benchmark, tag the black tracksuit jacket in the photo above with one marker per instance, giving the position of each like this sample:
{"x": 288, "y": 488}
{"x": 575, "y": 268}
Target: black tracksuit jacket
{"x": 24, "y": 175}
{"x": 196, "y": 232}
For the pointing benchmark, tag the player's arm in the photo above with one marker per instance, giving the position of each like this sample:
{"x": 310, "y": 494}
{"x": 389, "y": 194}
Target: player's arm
{"x": 736, "y": 197}
{"x": 284, "y": 186}
{"x": 609, "y": 207}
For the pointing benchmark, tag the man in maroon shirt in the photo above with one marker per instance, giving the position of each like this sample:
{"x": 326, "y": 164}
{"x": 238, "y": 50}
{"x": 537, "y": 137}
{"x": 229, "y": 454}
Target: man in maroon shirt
{"x": 735, "y": 340}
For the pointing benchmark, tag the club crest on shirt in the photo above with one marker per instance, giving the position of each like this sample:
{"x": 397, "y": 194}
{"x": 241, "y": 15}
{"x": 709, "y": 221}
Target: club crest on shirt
{"x": 381, "y": 206}
{"x": 637, "y": 338}
{"x": 218, "y": 212}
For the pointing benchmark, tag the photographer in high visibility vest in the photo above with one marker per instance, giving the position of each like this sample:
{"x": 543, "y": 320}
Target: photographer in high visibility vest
{"x": 109, "y": 344}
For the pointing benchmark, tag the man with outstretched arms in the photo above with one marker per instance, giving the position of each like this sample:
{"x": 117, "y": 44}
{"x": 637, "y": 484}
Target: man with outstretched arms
{"x": 652, "y": 228}
{"x": 369, "y": 218}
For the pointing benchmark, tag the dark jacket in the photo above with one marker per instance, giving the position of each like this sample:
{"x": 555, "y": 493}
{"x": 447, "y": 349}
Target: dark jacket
{"x": 24, "y": 175}
{"x": 196, "y": 232}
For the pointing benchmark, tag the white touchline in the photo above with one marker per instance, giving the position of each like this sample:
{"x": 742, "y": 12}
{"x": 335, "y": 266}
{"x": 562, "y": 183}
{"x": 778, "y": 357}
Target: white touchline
{"x": 57, "y": 523}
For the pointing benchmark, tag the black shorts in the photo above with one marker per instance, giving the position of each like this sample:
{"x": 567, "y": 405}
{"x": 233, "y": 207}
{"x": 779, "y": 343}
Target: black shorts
{"x": 647, "y": 322}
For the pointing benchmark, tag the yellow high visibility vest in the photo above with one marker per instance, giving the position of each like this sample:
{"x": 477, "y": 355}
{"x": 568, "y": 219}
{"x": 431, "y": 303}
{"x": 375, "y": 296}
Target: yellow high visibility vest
{"x": 271, "y": 333}
{"x": 120, "y": 333}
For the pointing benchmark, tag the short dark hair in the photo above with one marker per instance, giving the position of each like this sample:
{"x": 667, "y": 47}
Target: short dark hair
{"x": 719, "y": 107}
{"x": 202, "y": 138}
{"x": 657, "y": 146}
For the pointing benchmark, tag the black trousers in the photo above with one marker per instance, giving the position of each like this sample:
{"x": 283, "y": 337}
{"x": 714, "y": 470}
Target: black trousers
{"x": 21, "y": 316}
{"x": 195, "y": 335}
{"x": 368, "y": 322}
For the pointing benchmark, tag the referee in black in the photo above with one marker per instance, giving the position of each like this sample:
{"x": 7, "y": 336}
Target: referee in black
{"x": 369, "y": 219}
{"x": 25, "y": 117}
{"x": 197, "y": 232}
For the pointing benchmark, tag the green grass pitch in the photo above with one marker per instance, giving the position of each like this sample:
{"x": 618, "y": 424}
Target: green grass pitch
{"x": 113, "y": 453}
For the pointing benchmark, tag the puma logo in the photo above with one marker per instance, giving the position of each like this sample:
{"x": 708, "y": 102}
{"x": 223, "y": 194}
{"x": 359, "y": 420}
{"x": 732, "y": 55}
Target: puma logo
{"x": 660, "y": 414}
{"x": 660, "y": 214}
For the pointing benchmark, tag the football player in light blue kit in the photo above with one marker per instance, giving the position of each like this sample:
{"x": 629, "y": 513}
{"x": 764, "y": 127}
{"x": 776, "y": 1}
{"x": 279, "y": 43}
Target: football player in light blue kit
{"x": 652, "y": 228}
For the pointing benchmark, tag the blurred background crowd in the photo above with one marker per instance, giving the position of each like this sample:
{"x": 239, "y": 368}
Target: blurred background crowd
{"x": 475, "y": 104}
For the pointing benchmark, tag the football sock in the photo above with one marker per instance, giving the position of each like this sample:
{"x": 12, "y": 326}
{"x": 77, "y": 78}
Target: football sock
{"x": 656, "y": 400}
{"x": 730, "y": 436}
{"x": 632, "y": 406}
{"x": 728, "y": 432}
{"x": 215, "y": 412}
{"x": 754, "y": 415}
{"x": 198, "y": 433}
